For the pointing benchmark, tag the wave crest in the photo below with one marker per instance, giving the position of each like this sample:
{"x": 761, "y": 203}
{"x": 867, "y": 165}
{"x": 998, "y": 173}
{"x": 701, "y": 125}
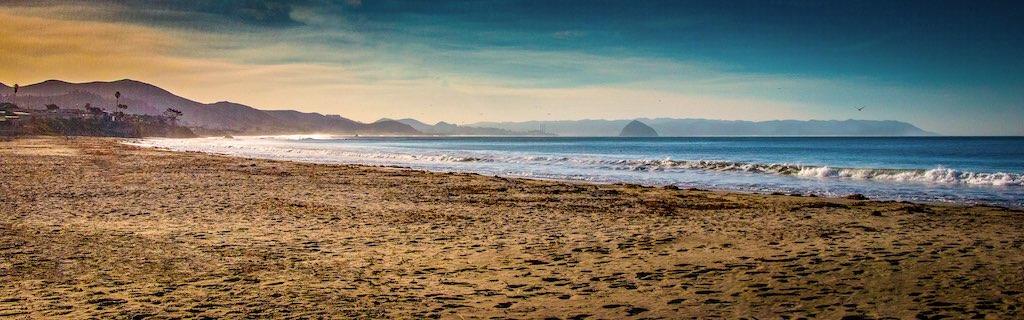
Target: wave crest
{"x": 939, "y": 175}
{"x": 269, "y": 148}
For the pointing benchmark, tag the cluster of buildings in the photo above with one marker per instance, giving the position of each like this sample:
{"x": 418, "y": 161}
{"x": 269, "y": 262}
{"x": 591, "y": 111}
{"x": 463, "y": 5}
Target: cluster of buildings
{"x": 11, "y": 113}
{"x": 15, "y": 120}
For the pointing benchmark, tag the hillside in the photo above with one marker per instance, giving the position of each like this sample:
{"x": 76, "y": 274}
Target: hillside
{"x": 669, "y": 127}
{"x": 444, "y": 128}
{"x": 144, "y": 98}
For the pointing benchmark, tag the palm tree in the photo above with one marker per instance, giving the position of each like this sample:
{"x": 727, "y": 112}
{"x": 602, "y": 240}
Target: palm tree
{"x": 117, "y": 100}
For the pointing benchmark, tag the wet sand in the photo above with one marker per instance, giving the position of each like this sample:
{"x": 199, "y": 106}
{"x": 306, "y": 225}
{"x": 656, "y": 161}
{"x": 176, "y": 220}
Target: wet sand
{"x": 90, "y": 228}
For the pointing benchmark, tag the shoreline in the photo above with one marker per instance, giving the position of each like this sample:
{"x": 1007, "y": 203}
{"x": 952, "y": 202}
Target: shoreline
{"x": 963, "y": 203}
{"x": 95, "y": 228}
{"x": 620, "y": 184}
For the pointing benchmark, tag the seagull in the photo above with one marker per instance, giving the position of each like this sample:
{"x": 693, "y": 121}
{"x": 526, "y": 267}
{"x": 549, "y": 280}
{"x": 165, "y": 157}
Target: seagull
{"x": 860, "y": 109}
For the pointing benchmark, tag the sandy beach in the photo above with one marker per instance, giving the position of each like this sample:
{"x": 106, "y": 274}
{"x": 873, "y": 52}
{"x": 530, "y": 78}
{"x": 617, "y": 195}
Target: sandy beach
{"x": 91, "y": 228}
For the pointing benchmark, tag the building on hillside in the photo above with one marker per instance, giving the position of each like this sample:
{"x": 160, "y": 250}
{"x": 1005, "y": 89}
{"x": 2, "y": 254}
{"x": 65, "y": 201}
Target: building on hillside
{"x": 10, "y": 112}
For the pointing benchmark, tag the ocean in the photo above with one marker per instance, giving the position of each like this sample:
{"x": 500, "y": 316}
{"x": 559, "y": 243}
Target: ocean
{"x": 967, "y": 170}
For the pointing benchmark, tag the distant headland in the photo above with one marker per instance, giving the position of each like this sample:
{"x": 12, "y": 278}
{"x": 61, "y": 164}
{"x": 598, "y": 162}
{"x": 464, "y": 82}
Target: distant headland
{"x": 140, "y": 100}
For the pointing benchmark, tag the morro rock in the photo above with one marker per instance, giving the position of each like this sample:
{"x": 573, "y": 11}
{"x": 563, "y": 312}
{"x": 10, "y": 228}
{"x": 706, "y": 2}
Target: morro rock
{"x": 637, "y": 129}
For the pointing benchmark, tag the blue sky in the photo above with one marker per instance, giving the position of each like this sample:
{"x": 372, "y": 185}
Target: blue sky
{"x": 952, "y": 67}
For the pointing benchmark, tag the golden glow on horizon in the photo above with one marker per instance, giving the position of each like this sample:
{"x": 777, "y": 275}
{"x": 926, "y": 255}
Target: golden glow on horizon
{"x": 39, "y": 47}
{"x": 36, "y": 49}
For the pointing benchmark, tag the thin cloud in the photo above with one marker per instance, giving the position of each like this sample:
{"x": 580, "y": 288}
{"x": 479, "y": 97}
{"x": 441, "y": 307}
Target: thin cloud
{"x": 321, "y": 63}
{"x": 568, "y": 34}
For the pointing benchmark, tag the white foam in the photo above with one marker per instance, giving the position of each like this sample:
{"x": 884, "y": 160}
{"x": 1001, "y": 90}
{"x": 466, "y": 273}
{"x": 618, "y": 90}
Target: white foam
{"x": 287, "y": 148}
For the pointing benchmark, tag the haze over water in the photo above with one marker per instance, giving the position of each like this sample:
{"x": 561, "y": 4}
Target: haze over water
{"x": 985, "y": 170}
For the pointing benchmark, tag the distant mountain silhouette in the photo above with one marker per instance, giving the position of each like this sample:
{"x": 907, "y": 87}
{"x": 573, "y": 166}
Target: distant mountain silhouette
{"x": 144, "y": 98}
{"x": 668, "y": 127}
{"x": 637, "y": 129}
{"x": 444, "y": 128}
{"x": 415, "y": 124}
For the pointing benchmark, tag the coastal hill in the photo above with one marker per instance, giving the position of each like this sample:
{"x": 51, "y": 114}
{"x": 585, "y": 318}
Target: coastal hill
{"x": 637, "y": 129}
{"x": 444, "y": 128}
{"x": 669, "y": 127}
{"x": 228, "y": 117}
{"x": 144, "y": 98}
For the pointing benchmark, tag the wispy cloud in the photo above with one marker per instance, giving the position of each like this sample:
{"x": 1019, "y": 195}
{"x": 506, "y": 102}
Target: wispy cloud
{"x": 327, "y": 57}
{"x": 568, "y": 34}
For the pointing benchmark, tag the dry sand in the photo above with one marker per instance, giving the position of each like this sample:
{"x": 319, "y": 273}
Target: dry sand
{"x": 90, "y": 228}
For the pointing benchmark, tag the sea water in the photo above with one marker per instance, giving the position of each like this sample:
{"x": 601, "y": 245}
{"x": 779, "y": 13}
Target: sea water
{"x": 972, "y": 170}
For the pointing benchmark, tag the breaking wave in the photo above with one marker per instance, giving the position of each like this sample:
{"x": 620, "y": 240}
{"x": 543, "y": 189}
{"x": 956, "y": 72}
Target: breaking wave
{"x": 938, "y": 175}
{"x": 276, "y": 149}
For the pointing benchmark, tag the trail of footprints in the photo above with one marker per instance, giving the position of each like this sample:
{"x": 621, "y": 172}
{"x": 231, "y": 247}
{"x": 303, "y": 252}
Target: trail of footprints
{"x": 805, "y": 281}
{"x": 400, "y": 244}
{"x": 795, "y": 283}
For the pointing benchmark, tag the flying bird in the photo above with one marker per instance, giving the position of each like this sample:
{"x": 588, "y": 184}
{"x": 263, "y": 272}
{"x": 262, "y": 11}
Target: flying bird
{"x": 860, "y": 109}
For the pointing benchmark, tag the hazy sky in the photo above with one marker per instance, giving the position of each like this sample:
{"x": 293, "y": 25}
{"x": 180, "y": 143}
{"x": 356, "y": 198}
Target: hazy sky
{"x": 950, "y": 67}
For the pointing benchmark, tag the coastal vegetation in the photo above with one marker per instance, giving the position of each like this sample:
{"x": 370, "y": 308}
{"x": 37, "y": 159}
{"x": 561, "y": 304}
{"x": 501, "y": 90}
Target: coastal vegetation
{"x": 88, "y": 121}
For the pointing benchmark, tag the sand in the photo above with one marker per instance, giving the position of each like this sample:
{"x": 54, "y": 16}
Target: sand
{"x": 90, "y": 228}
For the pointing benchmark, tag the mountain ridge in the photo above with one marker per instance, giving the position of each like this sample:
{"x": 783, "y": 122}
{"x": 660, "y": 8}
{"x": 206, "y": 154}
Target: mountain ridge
{"x": 145, "y": 98}
{"x": 445, "y": 128}
{"x": 674, "y": 127}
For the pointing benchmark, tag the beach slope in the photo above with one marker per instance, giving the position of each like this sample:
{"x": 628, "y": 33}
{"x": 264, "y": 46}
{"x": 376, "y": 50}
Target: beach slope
{"x": 91, "y": 228}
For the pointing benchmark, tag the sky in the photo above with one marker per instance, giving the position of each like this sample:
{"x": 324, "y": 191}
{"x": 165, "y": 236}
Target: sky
{"x": 952, "y": 67}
